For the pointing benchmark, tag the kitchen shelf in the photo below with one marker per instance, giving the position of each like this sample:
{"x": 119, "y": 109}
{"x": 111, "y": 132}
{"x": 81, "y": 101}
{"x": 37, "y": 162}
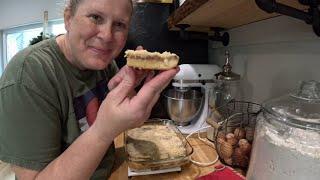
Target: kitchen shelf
{"x": 227, "y": 14}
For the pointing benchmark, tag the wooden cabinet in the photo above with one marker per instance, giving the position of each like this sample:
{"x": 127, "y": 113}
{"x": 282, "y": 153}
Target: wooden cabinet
{"x": 228, "y": 14}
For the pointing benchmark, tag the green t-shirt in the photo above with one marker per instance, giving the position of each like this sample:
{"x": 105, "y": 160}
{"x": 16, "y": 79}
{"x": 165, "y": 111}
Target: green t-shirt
{"x": 44, "y": 105}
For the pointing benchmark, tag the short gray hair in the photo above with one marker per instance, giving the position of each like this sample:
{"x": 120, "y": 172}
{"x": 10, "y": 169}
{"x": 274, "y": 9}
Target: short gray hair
{"x": 74, "y": 4}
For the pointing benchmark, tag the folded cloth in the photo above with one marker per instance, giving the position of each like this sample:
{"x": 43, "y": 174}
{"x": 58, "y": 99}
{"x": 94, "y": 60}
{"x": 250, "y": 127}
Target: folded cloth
{"x": 222, "y": 173}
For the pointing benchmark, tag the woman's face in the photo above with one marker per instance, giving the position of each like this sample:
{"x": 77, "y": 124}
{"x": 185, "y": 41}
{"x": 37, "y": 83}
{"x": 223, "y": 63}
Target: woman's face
{"x": 97, "y": 32}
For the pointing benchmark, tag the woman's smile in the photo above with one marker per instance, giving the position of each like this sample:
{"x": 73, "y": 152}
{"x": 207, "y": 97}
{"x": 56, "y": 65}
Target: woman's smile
{"x": 100, "y": 50}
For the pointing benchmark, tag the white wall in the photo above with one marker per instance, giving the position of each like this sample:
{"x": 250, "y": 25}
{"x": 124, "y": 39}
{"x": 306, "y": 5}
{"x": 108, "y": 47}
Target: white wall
{"x": 19, "y": 12}
{"x": 272, "y": 56}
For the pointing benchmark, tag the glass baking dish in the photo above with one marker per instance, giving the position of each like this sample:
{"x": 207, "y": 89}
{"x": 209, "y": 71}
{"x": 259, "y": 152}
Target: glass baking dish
{"x": 156, "y": 162}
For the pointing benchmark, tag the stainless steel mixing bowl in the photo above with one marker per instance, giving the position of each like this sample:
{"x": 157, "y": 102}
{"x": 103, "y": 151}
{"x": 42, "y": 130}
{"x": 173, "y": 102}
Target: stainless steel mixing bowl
{"x": 181, "y": 106}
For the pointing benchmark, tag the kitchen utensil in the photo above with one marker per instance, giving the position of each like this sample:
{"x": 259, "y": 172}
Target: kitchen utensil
{"x": 183, "y": 106}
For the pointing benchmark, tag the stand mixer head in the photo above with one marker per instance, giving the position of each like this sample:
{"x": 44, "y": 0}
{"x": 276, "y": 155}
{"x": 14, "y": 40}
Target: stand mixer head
{"x": 188, "y": 108}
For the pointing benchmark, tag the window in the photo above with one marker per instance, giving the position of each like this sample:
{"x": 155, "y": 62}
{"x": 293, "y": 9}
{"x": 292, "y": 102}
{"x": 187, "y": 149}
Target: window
{"x": 58, "y": 28}
{"x": 16, "y": 39}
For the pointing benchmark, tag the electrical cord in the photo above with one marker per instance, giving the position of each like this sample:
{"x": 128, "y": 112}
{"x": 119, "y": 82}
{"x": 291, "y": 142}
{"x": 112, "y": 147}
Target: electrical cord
{"x": 202, "y": 164}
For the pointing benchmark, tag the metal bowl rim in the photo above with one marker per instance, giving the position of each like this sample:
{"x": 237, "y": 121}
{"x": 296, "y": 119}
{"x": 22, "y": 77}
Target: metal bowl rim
{"x": 199, "y": 98}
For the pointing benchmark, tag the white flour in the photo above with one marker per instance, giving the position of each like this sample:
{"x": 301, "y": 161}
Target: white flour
{"x": 292, "y": 155}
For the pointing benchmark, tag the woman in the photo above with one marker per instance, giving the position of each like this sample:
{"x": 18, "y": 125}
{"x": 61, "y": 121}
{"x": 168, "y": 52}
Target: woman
{"x": 63, "y": 101}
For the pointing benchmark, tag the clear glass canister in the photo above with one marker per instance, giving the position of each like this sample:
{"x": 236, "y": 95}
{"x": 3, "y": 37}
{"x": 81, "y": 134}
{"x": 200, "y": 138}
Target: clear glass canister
{"x": 287, "y": 137}
{"x": 225, "y": 91}
{"x": 228, "y": 85}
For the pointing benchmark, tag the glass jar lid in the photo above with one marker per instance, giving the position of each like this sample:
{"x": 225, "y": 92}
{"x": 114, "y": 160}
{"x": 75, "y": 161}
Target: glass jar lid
{"x": 300, "y": 108}
{"x": 227, "y": 74}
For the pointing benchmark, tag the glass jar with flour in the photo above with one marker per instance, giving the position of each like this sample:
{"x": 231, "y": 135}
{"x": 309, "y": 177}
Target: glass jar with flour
{"x": 287, "y": 137}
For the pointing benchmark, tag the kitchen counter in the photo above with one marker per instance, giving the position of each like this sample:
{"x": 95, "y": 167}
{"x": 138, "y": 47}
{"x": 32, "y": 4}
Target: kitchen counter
{"x": 202, "y": 153}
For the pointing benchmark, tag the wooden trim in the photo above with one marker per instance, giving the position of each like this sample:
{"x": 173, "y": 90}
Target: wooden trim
{"x": 184, "y": 10}
{"x": 226, "y": 14}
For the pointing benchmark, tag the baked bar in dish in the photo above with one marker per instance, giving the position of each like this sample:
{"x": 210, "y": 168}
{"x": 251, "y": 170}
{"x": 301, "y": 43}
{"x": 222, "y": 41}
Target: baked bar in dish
{"x": 154, "y": 142}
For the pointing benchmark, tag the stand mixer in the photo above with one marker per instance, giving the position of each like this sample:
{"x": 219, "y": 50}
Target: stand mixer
{"x": 191, "y": 76}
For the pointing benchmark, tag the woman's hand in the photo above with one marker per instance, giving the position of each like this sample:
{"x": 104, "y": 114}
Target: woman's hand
{"x": 121, "y": 111}
{"x": 139, "y": 74}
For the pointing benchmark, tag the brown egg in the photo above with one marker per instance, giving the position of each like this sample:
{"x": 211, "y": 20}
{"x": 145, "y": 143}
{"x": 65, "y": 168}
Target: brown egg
{"x": 244, "y": 163}
{"x": 220, "y": 140}
{"x": 228, "y": 161}
{"x": 239, "y": 158}
{"x": 245, "y": 146}
{"x": 221, "y": 135}
{"x": 239, "y": 133}
{"x": 231, "y": 139}
{"x": 240, "y": 171}
{"x": 226, "y": 150}
{"x": 249, "y": 134}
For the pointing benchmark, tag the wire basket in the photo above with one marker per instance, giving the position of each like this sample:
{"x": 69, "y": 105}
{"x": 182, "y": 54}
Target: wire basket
{"x": 235, "y": 132}
{"x": 238, "y": 114}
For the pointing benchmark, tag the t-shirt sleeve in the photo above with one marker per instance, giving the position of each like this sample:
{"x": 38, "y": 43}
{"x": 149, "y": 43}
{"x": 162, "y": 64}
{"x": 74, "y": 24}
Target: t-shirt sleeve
{"x": 30, "y": 129}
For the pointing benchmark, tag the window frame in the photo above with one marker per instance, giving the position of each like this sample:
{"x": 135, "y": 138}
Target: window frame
{"x": 5, "y": 32}
{"x": 1, "y": 52}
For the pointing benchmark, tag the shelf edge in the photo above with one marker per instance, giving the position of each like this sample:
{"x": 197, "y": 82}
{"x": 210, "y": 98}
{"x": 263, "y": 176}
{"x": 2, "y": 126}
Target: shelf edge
{"x": 184, "y": 10}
